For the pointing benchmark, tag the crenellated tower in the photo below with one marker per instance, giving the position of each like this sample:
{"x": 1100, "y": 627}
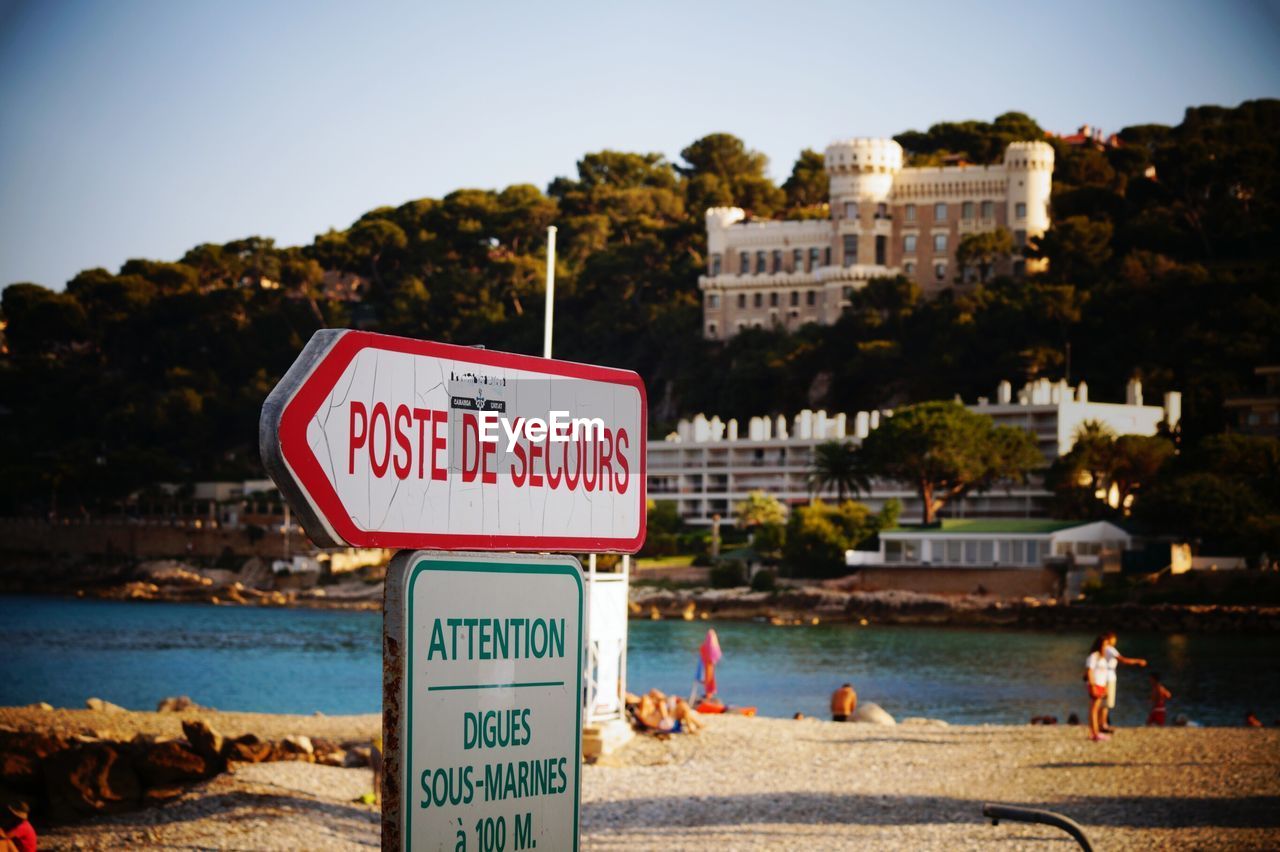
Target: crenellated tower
{"x": 1029, "y": 166}
{"x": 862, "y": 169}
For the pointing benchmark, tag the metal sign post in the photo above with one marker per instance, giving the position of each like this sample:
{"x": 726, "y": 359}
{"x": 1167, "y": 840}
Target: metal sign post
{"x": 482, "y": 701}
{"x": 380, "y": 441}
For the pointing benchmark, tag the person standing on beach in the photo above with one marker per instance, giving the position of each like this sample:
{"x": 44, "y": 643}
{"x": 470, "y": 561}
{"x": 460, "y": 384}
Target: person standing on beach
{"x": 1114, "y": 659}
{"x": 843, "y": 702}
{"x": 1096, "y": 673}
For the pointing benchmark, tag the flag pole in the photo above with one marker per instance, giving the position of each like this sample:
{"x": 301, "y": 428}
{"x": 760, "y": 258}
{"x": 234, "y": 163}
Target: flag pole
{"x": 551, "y": 290}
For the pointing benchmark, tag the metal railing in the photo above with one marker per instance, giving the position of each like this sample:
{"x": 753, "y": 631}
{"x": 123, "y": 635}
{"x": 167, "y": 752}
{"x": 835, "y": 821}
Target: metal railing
{"x": 1008, "y": 812}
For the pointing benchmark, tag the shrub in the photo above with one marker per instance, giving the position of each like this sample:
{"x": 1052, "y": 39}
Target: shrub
{"x": 728, "y": 575}
{"x": 764, "y": 581}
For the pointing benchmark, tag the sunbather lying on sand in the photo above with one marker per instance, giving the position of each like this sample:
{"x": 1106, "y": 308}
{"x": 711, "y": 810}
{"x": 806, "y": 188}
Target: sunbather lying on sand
{"x": 659, "y": 713}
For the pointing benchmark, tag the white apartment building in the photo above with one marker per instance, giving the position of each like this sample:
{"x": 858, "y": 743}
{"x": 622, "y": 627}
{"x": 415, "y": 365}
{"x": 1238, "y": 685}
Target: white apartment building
{"x": 884, "y": 220}
{"x": 707, "y": 466}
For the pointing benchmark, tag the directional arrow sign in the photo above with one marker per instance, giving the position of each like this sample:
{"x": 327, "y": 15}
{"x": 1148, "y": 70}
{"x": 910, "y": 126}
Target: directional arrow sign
{"x": 381, "y": 441}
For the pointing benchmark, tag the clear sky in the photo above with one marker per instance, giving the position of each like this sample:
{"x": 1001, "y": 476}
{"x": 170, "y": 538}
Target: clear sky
{"x": 139, "y": 128}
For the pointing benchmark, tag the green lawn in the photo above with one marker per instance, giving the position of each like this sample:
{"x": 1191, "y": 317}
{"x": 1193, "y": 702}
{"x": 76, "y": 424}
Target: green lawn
{"x": 677, "y": 561}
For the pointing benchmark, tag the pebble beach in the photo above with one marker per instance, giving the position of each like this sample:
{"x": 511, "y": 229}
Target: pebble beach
{"x": 753, "y": 783}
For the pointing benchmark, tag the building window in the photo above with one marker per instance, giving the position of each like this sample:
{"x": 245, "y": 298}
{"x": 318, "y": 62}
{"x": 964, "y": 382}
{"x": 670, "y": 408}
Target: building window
{"x": 773, "y": 299}
{"x": 813, "y": 259}
{"x": 762, "y": 259}
{"x": 826, "y": 256}
{"x": 797, "y": 260}
{"x": 742, "y": 300}
{"x": 909, "y": 212}
{"x": 940, "y": 211}
{"x": 777, "y": 261}
{"x": 1033, "y": 553}
{"x": 893, "y": 551}
{"x": 711, "y": 329}
{"x": 795, "y": 298}
{"x": 1020, "y": 210}
{"x": 811, "y": 298}
{"x": 966, "y": 210}
{"x": 846, "y": 293}
{"x": 909, "y": 244}
{"x": 909, "y": 268}
{"x": 850, "y": 249}
{"x": 744, "y": 263}
{"x": 953, "y": 550}
{"x": 986, "y": 552}
{"x": 940, "y": 271}
{"x": 1020, "y": 238}
{"x": 882, "y": 244}
{"x": 758, "y": 300}
{"x": 715, "y": 264}
{"x": 882, "y": 211}
{"x": 939, "y": 242}
{"x": 988, "y": 210}
{"x": 850, "y": 210}
{"x": 713, "y": 301}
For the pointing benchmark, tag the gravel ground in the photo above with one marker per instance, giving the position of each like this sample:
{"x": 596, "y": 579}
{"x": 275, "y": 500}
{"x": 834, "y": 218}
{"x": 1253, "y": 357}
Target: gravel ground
{"x": 782, "y": 784}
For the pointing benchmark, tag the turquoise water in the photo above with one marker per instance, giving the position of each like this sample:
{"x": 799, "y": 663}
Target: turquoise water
{"x": 299, "y": 661}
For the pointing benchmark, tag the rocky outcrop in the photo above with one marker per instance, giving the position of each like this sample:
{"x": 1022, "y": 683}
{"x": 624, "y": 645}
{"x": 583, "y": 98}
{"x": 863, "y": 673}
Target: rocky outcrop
{"x": 248, "y": 749}
{"x": 799, "y": 605}
{"x": 104, "y": 706}
{"x": 178, "y": 704}
{"x": 166, "y": 763}
{"x": 871, "y": 713}
{"x": 66, "y": 778}
{"x": 90, "y": 778}
{"x": 206, "y": 742}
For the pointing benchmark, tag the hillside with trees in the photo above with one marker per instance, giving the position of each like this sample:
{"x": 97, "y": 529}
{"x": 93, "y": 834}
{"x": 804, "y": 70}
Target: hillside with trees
{"x": 1162, "y": 265}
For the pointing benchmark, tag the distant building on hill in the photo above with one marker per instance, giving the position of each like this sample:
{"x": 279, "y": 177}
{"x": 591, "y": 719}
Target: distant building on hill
{"x": 1258, "y": 414}
{"x": 1088, "y": 136}
{"x": 707, "y": 466}
{"x": 341, "y": 286}
{"x": 885, "y": 219}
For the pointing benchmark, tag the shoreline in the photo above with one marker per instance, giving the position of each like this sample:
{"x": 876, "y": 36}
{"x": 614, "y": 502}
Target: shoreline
{"x": 791, "y": 607}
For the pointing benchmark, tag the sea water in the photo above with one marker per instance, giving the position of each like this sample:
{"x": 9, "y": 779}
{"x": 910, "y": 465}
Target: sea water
{"x": 300, "y": 661}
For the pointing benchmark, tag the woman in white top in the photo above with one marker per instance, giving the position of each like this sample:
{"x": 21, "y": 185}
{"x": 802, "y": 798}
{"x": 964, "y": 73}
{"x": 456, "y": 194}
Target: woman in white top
{"x": 1114, "y": 658}
{"x": 1096, "y": 673}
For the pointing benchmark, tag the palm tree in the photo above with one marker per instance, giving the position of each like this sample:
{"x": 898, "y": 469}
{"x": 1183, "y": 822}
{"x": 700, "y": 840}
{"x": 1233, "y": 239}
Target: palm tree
{"x": 838, "y": 464}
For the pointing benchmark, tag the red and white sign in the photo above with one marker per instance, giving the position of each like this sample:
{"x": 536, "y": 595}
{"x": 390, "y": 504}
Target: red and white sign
{"x": 381, "y": 441}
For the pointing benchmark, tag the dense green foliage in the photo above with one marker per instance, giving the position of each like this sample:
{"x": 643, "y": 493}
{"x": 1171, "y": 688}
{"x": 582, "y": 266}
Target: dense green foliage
{"x": 1162, "y": 265}
{"x": 817, "y": 535}
{"x": 944, "y": 451}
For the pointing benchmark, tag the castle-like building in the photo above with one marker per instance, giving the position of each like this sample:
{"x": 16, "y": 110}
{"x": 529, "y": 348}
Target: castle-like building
{"x": 885, "y": 220}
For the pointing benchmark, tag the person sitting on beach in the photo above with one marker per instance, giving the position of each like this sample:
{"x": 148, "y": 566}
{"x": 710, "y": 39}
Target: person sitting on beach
{"x": 15, "y": 831}
{"x": 843, "y": 702}
{"x": 1251, "y": 720}
{"x": 1159, "y": 695}
{"x": 653, "y": 714}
